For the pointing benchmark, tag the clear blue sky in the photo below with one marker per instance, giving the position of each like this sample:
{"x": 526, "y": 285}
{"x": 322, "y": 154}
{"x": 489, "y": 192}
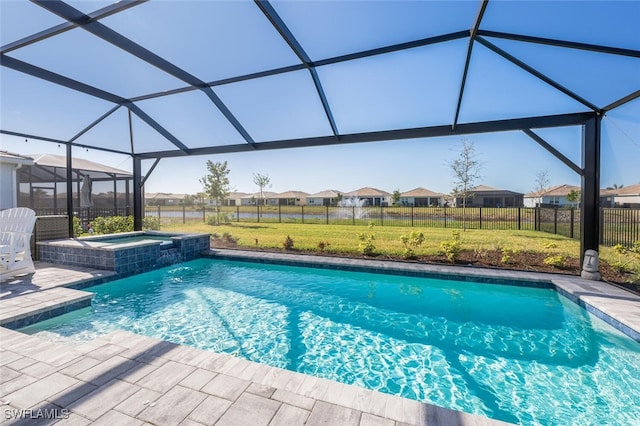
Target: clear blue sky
{"x": 411, "y": 88}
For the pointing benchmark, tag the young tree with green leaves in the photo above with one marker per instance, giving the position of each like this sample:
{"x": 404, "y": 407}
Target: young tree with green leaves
{"x": 216, "y": 184}
{"x": 262, "y": 181}
{"x": 573, "y": 196}
{"x": 395, "y": 197}
{"x": 465, "y": 170}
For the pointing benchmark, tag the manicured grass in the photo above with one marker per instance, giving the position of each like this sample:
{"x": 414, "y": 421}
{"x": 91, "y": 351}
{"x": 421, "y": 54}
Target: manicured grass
{"x": 344, "y": 238}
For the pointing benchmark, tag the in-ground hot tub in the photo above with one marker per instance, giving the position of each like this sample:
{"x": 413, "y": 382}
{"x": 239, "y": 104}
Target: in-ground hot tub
{"x": 127, "y": 253}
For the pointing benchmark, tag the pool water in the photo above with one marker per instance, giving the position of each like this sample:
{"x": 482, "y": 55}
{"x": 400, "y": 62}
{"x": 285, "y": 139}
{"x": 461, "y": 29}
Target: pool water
{"x": 520, "y": 354}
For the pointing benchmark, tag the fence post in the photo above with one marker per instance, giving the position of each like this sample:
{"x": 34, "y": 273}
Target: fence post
{"x": 204, "y": 214}
{"x": 184, "y": 214}
{"x": 279, "y": 213}
{"x": 601, "y": 236}
{"x": 237, "y": 213}
{"x": 381, "y": 215}
{"x": 159, "y": 221}
{"x": 555, "y": 220}
{"x": 353, "y": 215}
{"x": 571, "y": 221}
{"x": 480, "y": 216}
{"x": 445, "y": 217}
{"x": 302, "y": 213}
{"x": 327, "y": 215}
{"x": 412, "y": 216}
{"x": 535, "y": 219}
{"x": 519, "y": 218}
{"x": 258, "y": 210}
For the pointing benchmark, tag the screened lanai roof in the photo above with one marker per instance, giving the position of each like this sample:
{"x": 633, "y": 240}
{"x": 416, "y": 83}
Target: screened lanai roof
{"x": 170, "y": 78}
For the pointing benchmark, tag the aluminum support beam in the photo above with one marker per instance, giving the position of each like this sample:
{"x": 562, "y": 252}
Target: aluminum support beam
{"x": 562, "y": 43}
{"x": 69, "y": 185}
{"x": 472, "y": 37}
{"x": 536, "y": 73}
{"x": 546, "y": 145}
{"x": 390, "y": 135}
{"x": 98, "y": 29}
{"x": 66, "y": 26}
{"x": 137, "y": 194}
{"x": 590, "y": 195}
{"x": 290, "y": 39}
{"x": 630, "y": 97}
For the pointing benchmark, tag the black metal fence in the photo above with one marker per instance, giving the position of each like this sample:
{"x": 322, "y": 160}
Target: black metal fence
{"x": 617, "y": 226}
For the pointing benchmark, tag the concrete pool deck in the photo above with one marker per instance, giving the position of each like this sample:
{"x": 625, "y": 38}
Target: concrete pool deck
{"x": 123, "y": 378}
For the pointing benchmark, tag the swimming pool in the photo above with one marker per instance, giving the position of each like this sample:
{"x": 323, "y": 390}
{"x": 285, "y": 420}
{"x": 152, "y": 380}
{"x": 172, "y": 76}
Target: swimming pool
{"x": 520, "y": 354}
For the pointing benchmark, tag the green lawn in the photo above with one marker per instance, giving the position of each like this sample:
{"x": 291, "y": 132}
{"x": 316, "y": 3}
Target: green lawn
{"x": 343, "y": 238}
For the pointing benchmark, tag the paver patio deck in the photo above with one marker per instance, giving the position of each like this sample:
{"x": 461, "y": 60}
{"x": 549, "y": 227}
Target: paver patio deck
{"x": 123, "y": 378}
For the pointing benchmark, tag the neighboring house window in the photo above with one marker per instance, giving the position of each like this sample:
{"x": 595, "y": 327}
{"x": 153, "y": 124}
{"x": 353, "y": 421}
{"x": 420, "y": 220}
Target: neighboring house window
{"x": 554, "y": 200}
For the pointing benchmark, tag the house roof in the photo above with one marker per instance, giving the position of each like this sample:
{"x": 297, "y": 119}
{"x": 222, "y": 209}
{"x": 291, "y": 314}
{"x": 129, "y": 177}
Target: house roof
{"x": 485, "y": 189}
{"x": 631, "y": 190}
{"x": 53, "y": 160}
{"x": 292, "y": 194}
{"x": 328, "y": 193}
{"x": 236, "y": 195}
{"x": 421, "y": 192}
{"x": 367, "y": 192}
{"x": 164, "y": 196}
{"x": 11, "y": 158}
{"x": 554, "y": 191}
{"x": 265, "y": 195}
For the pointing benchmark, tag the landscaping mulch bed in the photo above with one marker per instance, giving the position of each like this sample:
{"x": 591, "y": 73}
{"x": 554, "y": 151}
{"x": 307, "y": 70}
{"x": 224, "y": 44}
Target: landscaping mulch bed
{"x": 522, "y": 261}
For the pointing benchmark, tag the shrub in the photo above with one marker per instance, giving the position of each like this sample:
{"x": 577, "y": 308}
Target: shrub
{"x": 288, "y": 243}
{"x": 112, "y": 224}
{"x": 151, "y": 223}
{"x": 366, "y": 245}
{"x": 550, "y": 245}
{"x": 451, "y": 248}
{"x": 228, "y": 238}
{"x": 219, "y": 219}
{"x": 411, "y": 242}
{"x": 556, "y": 261}
{"x": 620, "y": 264}
{"x": 636, "y": 247}
{"x": 506, "y": 256}
{"x": 77, "y": 226}
{"x": 322, "y": 245}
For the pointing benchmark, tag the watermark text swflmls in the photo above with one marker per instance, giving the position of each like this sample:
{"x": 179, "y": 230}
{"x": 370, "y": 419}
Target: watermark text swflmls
{"x": 35, "y": 413}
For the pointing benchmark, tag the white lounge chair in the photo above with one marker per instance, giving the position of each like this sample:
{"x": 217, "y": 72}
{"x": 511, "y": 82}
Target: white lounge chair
{"x": 16, "y": 227}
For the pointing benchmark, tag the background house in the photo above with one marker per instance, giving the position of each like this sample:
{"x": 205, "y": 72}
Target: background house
{"x": 269, "y": 199}
{"x": 555, "y": 196}
{"x": 328, "y": 197}
{"x": 9, "y": 165}
{"x": 627, "y": 196}
{"x": 486, "y": 196}
{"x": 292, "y": 198}
{"x": 421, "y": 197}
{"x": 164, "y": 199}
{"x": 372, "y": 196}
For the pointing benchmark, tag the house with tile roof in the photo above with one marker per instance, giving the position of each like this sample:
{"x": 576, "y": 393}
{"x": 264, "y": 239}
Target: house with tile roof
{"x": 421, "y": 197}
{"x": 627, "y": 196}
{"x": 328, "y": 197}
{"x": 269, "y": 199}
{"x": 554, "y": 196}
{"x": 292, "y": 198}
{"x": 371, "y": 196}
{"x": 487, "y": 196}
